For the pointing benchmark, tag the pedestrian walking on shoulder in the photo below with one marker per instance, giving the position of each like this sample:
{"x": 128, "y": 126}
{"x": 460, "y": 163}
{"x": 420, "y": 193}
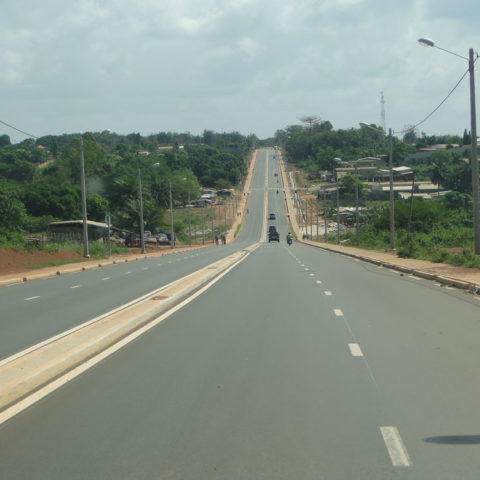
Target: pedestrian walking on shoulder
{"x": 216, "y": 239}
{"x": 224, "y": 240}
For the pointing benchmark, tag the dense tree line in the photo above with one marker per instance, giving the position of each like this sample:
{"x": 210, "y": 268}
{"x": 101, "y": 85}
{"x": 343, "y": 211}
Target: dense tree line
{"x": 316, "y": 147}
{"x": 40, "y": 180}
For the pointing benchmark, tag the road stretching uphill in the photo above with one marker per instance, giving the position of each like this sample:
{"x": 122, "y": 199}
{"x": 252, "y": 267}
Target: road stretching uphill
{"x": 296, "y": 363}
{"x": 34, "y": 311}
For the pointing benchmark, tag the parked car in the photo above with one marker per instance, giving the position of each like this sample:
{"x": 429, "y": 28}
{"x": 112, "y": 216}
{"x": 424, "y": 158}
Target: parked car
{"x": 162, "y": 239}
{"x": 132, "y": 240}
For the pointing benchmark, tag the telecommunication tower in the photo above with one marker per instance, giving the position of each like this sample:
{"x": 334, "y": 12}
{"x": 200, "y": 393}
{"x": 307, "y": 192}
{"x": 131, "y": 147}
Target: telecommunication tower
{"x": 382, "y": 112}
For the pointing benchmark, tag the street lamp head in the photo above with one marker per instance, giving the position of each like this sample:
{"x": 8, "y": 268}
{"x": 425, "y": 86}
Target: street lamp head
{"x": 364, "y": 124}
{"x": 426, "y": 42}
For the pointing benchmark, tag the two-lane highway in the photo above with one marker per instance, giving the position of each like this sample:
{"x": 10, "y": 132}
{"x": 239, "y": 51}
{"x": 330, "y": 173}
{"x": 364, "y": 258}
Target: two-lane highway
{"x": 297, "y": 364}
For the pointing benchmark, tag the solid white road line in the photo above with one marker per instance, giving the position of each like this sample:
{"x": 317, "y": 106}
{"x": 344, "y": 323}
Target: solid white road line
{"x": 338, "y": 312}
{"x": 31, "y": 298}
{"x": 355, "y": 350}
{"x": 395, "y": 446}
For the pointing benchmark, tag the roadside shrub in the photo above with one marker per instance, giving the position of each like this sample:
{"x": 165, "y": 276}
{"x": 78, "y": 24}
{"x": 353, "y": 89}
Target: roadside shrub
{"x": 465, "y": 258}
{"x": 407, "y": 250}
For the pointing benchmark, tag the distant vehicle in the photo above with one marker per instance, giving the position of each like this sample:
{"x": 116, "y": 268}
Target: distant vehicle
{"x": 169, "y": 236}
{"x": 276, "y": 174}
{"x": 118, "y": 240}
{"x": 273, "y": 235}
{"x": 162, "y": 239}
{"x": 272, "y": 216}
{"x": 132, "y": 240}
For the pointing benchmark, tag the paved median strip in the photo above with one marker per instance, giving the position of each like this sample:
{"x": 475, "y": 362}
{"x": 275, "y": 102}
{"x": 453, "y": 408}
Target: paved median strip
{"x": 22, "y": 375}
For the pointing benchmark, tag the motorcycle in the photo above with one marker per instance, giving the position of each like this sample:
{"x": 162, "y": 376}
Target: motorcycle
{"x": 289, "y": 240}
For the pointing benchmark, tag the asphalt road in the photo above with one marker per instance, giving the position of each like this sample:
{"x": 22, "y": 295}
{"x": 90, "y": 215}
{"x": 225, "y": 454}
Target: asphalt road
{"x": 34, "y": 311}
{"x": 298, "y": 364}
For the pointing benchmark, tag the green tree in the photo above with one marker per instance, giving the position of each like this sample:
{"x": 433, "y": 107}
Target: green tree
{"x": 97, "y": 207}
{"x": 347, "y": 187}
{"x": 439, "y": 161}
{"x": 12, "y": 212}
{"x": 4, "y": 140}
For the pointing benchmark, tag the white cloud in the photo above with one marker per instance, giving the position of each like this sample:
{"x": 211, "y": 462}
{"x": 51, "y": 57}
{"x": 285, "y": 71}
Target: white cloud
{"x": 249, "y": 65}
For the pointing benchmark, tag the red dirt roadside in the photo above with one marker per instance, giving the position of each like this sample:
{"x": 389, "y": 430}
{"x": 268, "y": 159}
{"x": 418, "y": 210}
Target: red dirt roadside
{"x": 12, "y": 261}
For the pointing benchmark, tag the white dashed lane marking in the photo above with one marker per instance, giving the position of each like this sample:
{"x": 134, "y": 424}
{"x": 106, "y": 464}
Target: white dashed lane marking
{"x": 32, "y": 298}
{"x": 328, "y": 294}
{"x": 355, "y": 350}
{"x": 338, "y": 312}
{"x": 106, "y": 278}
{"x": 395, "y": 446}
{"x": 319, "y": 282}
{"x": 76, "y": 286}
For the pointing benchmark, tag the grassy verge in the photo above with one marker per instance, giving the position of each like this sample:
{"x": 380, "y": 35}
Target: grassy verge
{"x": 237, "y": 230}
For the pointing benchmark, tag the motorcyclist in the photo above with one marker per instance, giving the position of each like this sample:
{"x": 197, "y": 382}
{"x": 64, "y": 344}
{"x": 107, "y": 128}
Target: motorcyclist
{"x": 289, "y": 238}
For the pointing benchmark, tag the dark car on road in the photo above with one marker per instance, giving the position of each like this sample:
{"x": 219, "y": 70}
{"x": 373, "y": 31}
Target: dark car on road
{"x": 273, "y": 235}
{"x": 271, "y": 216}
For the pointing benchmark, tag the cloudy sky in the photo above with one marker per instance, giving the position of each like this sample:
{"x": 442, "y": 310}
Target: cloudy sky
{"x": 253, "y": 66}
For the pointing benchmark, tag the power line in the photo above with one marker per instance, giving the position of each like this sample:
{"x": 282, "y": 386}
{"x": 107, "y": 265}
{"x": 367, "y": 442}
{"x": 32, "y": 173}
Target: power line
{"x": 441, "y": 103}
{"x": 18, "y": 130}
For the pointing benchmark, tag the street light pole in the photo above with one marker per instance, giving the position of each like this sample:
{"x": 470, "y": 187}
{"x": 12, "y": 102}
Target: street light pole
{"x": 189, "y": 222}
{"x": 140, "y": 212}
{"x": 84, "y": 202}
{"x": 357, "y": 230}
{"x": 172, "y": 238}
{"x": 473, "y": 132}
{"x": 392, "y": 200}
{"x": 338, "y": 211}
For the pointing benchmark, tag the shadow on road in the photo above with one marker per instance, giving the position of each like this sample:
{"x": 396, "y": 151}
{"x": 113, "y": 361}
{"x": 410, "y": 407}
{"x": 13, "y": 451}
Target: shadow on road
{"x": 455, "y": 439}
